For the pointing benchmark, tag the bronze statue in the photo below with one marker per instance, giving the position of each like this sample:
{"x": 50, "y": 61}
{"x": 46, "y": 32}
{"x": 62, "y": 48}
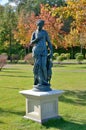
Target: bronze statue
{"x": 42, "y": 58}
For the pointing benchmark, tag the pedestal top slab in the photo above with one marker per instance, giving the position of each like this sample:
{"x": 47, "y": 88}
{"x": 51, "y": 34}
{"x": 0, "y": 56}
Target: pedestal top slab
{"x": 33, "y": 93}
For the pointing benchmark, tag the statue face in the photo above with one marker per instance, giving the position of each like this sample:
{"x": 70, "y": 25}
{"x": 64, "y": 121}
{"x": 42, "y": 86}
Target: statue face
{"x": 39, "y": 26}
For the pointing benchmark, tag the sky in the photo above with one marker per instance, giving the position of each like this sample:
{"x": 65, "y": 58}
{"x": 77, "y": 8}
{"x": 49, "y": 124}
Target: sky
{"x": 2, "y": 2}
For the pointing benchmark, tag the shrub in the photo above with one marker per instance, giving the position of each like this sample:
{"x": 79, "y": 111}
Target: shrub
{"x": 79, "y": 57}
{"x": 77, "y": 54}
{"x": 67, "y": 56}
{"x": 14, "y": 58}
{"x": 29, "y": 59}
{"x": 21, "y": 54}
{"x": 85, "y": 56}
{"x": 3, "y": 60}
{"x": 55, "y": 55}
{"x": 63, "y": 55}
{"x": 60, "y": 58}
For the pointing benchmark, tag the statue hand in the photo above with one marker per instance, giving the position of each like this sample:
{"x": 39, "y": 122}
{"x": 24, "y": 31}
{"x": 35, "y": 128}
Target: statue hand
{"x": 36, "y": 40}
{"x": 30, "y": 44}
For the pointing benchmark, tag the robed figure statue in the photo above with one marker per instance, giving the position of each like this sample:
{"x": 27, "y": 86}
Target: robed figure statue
{"x": 42, "y": 53}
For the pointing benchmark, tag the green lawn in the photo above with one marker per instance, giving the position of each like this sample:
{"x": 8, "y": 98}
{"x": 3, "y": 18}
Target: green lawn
{"x": 72, "y": 104}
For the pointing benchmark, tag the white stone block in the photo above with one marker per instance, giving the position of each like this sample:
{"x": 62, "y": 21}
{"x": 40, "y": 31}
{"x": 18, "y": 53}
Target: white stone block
{"x": 41, "y": 106}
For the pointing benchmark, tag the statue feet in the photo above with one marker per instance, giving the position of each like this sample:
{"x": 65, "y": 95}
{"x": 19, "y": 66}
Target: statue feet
{"x": 42, "y": 87}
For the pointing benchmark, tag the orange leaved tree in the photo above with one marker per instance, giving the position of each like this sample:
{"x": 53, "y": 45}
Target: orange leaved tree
{"x": 26, "y": 25}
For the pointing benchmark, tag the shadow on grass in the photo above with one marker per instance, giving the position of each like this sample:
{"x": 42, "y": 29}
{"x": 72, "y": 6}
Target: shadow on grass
{"x": 8, "y": 71}
{"x": 17, "y": 76}
{"x": 16, "y": 69}
{"x": 11, "y": 68}
{"x": 82, "y": 67}
{"x": 13, "y": 71}
{"x": 64, "y": 125}
{"x": 5, "y": 111}
{"x": 53, "y": 123}
{"x": 11, "y": 88}
{"x": 58, "y": 65}
{"x": 2, "y": 122}
{"x": 74, "y": 97}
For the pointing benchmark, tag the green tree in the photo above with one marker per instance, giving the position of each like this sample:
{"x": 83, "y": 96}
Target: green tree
{"x": 1, "y": 28}
{"x": 7, "y": 26}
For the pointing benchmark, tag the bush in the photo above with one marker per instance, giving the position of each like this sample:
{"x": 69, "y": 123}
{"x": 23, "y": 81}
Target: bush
{"x": 3, "y": 60}
{"x": 14, "y": 58}
{"x": 67, "y": 56}
{"x": 60, "y": 58}
{"x": 55, "y": 55}
{"x": 63, "y": 55}
{"x": 85, "y": 56}
{"x": 21, "y": 54}
{"x": 29, "y": 59}
{"x": 77, "y": 54}
{"x": 79, "y": 57}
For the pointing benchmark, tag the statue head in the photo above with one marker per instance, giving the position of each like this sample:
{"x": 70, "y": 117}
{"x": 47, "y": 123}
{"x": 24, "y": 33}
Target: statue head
{"x": 40, "y": 24}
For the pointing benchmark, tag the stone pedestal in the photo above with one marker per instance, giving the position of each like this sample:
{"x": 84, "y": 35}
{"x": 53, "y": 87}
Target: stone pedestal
{"x": 41, "y": 106}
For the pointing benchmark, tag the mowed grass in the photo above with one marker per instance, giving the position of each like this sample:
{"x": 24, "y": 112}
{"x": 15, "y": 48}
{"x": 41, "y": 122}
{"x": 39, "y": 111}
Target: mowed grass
{"x": 72, "y": 104}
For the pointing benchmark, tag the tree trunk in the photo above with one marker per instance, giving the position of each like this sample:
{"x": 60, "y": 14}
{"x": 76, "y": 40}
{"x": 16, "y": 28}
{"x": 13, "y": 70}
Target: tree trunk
{"x": 72, "y": 52}
{"x": 10, "y": 40}
{"x": 81, "y": 49}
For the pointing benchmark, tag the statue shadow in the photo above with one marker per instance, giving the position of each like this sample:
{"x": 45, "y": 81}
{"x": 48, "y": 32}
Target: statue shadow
{"x": 62, "y": 124}
{"x": 74, "y": 97}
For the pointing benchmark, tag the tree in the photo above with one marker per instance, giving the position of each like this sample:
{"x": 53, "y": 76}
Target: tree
{"x": 26, "y": 25}
{"x": 53, "y": 24}
{"x": 34, "y": 5}
{"x": 1, "y": 21}
{"x": 76, "y": 10}
{"x": 7, "y": 26}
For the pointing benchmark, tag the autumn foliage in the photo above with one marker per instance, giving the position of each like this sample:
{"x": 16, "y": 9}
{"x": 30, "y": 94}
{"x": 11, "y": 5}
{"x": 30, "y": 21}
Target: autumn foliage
{"x": 54, "y": 18}
{"x": 77, "y": 11}
{"x": 53, "y": 24}
{"x": 27, "y": 24}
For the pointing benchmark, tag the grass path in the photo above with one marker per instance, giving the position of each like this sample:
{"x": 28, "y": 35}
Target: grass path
{"x": 72, "y": 104}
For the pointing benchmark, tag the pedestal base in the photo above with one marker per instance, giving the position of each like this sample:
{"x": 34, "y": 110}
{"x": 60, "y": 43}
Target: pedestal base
{"x": 41, "y": 106}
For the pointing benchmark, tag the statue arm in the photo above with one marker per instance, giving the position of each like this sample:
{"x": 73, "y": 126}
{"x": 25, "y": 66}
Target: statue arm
{"x": 35, "y": 40}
